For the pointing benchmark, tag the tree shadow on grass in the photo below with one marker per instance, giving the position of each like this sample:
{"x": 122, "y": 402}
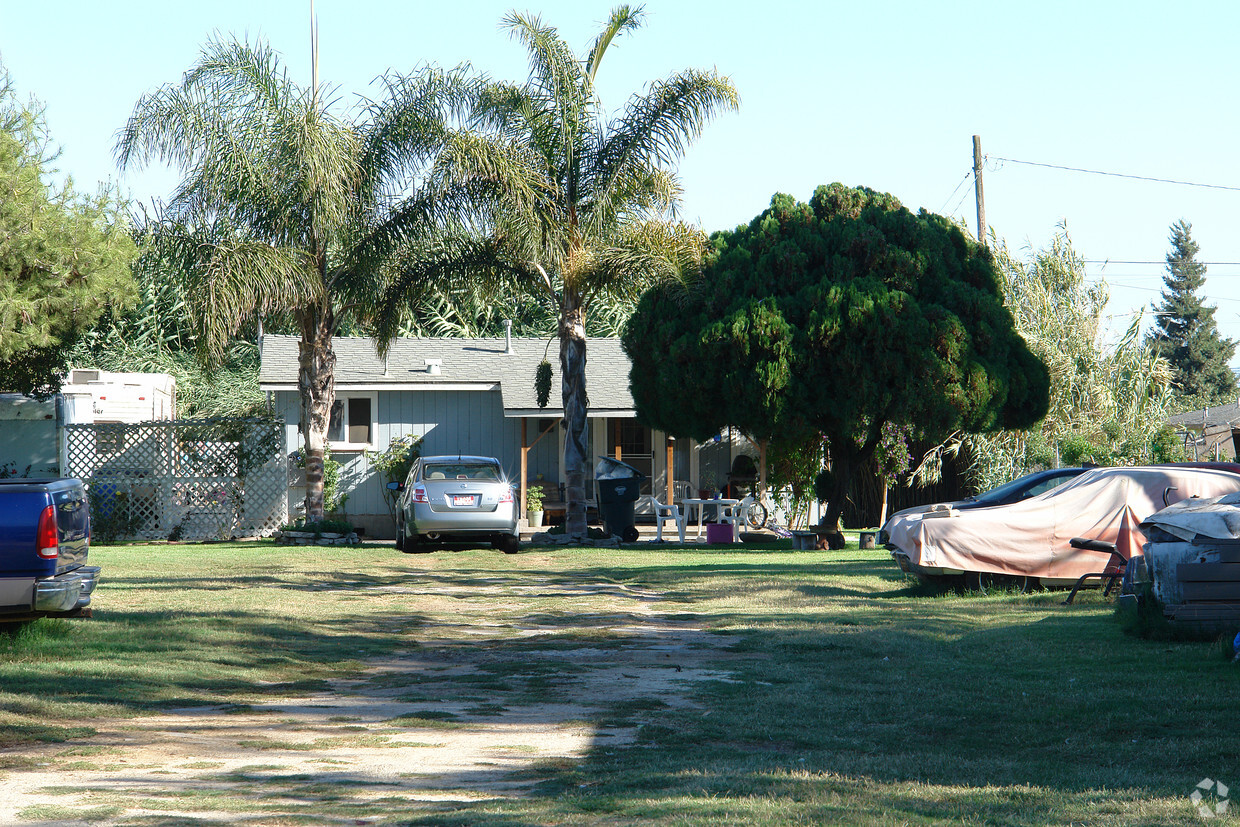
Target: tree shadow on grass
{"x": 840, "y": 704}
{"x": 128, "y": 662}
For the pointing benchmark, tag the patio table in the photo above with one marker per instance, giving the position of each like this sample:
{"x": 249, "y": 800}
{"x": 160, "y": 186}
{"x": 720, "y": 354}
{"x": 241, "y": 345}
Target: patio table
{"x": 700, "y": 505}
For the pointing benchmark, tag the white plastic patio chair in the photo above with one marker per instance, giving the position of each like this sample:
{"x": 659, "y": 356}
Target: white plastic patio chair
{"x": 735, "y": 514}
{"x": 663, "y": 513}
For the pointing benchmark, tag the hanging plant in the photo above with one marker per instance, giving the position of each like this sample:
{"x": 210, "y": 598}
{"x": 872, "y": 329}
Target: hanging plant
{"x": 542, "y": 383}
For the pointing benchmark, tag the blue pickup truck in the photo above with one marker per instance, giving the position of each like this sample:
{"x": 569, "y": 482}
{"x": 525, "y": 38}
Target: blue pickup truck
{"x": 44, "y": 542}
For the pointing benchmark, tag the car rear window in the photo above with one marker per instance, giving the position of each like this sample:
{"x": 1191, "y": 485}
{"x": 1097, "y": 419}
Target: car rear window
{"x": 461, "y": 471}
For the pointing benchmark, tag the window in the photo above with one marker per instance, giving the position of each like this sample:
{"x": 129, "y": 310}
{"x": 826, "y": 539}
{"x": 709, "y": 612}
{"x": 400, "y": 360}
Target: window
{"x": 462, "y": 471}
{"x": 352, "y": 423}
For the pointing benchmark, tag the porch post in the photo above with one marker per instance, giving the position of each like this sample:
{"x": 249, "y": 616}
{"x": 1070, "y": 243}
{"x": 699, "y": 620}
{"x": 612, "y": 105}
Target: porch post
{"x": 671, "y": 451}
{"x": 762, "y": 443}
{"x": 525, "y": 465}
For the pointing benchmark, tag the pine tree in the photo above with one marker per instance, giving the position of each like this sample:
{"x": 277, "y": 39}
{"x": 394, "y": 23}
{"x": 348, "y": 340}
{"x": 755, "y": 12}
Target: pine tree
{"x": 1186, "y": 334}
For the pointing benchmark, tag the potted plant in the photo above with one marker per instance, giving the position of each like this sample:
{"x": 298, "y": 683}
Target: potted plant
{"x": 534, "y": 505}
{"x": 706, "y": 483}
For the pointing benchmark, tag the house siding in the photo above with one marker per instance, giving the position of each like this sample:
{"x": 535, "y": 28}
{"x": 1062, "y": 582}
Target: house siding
{"x": 450, "y": 422}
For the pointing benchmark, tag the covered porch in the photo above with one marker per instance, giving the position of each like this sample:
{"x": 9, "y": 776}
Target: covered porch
{"x": 674, "y": 470}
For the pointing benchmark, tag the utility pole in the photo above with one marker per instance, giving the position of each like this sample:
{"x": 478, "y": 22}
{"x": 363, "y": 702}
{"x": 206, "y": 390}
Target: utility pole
{"x": 977, "y": 188}
{"x": 314, "y": 55}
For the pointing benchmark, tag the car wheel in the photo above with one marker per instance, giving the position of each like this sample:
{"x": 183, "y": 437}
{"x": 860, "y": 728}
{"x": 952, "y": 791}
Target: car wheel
{"x": 412, "y": 545}
{"x": 979, "y": 582}
{"x": 400, "y": 538}
{"x": 1024, "y": 584}
{"x": 509, "y": 544}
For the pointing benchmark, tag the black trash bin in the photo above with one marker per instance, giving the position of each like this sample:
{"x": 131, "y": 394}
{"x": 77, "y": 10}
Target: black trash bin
{"x": 618, "y": 485}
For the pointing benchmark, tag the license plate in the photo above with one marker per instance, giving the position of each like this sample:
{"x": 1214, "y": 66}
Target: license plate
{"x": 462, "y": 499}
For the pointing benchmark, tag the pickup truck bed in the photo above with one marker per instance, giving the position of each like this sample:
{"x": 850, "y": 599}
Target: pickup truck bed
{"x": 44, "y": 545}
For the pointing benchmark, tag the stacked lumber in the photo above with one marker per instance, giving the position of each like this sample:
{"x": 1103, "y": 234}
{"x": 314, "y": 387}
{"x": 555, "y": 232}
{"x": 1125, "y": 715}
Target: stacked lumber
{"x": 1210, "y": 591}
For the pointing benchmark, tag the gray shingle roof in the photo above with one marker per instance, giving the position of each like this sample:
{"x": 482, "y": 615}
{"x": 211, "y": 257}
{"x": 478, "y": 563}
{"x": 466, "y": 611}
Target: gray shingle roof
{"x": 463, "y": 361}
{"x": 1218, "y": 415}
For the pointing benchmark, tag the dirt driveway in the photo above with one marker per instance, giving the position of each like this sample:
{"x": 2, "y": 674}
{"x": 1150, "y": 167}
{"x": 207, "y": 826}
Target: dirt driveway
{"x": 482, "y": 711}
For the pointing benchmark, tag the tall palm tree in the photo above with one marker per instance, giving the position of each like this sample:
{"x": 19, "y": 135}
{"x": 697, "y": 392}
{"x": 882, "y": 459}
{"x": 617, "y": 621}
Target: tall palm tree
{"x": 580, "y": 206}
{"x": 283, "y": 205}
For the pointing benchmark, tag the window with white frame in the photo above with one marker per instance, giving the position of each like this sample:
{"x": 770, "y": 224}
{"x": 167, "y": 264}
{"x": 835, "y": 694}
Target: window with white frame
{"x": 353, "y": 423}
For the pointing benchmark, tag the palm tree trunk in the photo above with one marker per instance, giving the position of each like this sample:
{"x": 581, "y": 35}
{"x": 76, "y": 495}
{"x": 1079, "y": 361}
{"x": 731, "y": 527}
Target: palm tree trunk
{"x": 316, "y": 380}
{"x": 576, "y": 403}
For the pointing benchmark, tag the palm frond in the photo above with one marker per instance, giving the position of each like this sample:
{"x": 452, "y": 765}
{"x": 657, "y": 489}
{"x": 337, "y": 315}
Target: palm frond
{"x": 251, "y": 146}
{"x": 555, "y": 71}
{"x": 645, "y": 253}
{"x": 241, "y": 75}
{"x": 451, "y": 262}
{"x": 405, "y": 130}
{"x": 561, "y": 97}
{"x": 623, "y": 19}
{"x": 242, "y": 277}
{"x": 656, "y": 128}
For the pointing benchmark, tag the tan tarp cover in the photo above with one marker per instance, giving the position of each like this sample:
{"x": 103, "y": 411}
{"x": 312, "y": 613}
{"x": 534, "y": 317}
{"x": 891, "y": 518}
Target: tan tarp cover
{"x": 1031, "y": 537}
{"x": 1217, "y": 519}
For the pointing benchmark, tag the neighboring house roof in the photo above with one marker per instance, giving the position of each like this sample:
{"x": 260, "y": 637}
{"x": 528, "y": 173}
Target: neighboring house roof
{"x": 1227, "y": 414}
{"x": 463, "y": 364}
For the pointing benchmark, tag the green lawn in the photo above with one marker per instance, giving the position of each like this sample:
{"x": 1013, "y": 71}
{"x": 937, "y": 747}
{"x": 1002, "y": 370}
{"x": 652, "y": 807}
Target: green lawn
{"x": 854, "y": 695}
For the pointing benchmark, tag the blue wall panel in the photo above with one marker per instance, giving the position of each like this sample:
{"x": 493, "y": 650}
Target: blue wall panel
{"x": 450, "y": 422}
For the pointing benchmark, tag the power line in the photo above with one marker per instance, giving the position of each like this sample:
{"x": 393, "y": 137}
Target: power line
{"x": 1118, "y": 174}
{"x": 967, "y": 175}
{"x": 1162, "y": 263}
{"x": 1151, "y": 277}
{"x": 963, "y": 196}
{"x": 1159, "y": 290}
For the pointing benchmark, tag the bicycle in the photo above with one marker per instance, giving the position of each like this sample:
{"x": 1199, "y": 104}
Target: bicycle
{"x": 754, "y": 514}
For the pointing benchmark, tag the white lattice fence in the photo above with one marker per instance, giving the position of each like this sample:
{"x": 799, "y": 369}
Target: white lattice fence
{"x": 194, "y": 479}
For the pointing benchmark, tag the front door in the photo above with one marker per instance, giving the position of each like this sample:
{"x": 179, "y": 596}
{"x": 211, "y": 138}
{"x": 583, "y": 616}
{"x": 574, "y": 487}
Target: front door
{"x": 632, "y": 443}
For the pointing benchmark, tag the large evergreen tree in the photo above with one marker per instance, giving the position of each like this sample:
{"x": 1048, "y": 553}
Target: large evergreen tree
{"x": 835, "y": 317}
{"x": 1186, "y": 334}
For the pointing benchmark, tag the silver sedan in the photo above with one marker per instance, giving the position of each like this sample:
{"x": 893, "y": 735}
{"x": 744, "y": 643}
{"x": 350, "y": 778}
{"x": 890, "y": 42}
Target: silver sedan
{"x": 455, "y": 499}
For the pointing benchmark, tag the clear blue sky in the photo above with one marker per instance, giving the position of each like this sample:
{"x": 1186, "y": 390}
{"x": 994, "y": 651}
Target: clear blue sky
{"x": 881, "y": 94}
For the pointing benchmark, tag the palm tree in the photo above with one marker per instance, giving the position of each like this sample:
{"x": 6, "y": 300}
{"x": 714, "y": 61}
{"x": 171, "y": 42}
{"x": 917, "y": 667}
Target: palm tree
{"x": 578, "y": 206}
{"x": 279, "y": 206}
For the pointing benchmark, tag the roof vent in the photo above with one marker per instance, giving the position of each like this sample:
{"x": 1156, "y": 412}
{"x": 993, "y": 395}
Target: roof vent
{"x": 508, "y": 336}
{"x": 433, "y": 366}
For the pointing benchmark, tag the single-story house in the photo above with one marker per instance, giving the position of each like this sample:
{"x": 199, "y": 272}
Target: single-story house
{"x": 475, "y": 396}
{"x": 1210, "y": 433}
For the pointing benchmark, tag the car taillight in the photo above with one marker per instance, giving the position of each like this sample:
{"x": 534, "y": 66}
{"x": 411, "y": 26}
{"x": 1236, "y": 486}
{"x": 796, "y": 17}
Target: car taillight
{"x": 48, "y": 535}
{"x": 506, "y": 497}
{"x": 419, "y": 494}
